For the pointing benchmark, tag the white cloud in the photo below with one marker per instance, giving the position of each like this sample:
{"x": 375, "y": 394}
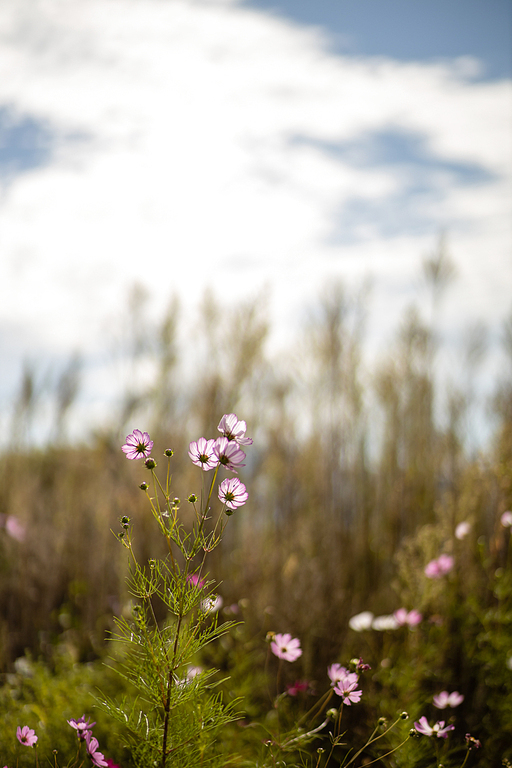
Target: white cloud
{"x": 203, "y": 142}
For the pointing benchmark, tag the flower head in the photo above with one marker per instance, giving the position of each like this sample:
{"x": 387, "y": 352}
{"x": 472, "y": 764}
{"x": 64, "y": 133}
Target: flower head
{"x": 96, "y": 756}
{"x": 361, "y": 621}
{"x": 233, "y": 493}
{"x": 26, "y": 736}
{"x": 212, "y": 604}
{"x": 462, "y": 530}
{"x": 229, "y": 454}
{"x": 445, "y": 699}
{"x": 286, "y": 647}
{"x": 299, "y": 686}
{"x": 471, "y": 742}
{"x": 439, "y": 567}
{"x": 82, "y": 726}
{"x": 347, "y": 690}
{"x": 437, "y": 729}
{"x": 195, "y": 580}
{"x": 202, "y": 454}
{"x": 506, "y": 519}
{"x": 337, "y": 673}
{"x": 233, "y": 429}
{"x": 138, "y": 445}
{"x": 383, "y": 623}
{"x": 411, "y": 618}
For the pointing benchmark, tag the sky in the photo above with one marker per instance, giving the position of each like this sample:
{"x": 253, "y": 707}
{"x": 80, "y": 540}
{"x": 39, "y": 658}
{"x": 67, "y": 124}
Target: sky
{"x": 247, "y": 146}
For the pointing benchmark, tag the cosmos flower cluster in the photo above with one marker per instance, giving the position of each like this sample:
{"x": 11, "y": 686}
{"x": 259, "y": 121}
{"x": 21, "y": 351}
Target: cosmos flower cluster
{"x": 209, "y": 454}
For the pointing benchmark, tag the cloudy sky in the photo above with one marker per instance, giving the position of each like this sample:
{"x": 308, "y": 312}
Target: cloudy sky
{"x": 247, "y": 146}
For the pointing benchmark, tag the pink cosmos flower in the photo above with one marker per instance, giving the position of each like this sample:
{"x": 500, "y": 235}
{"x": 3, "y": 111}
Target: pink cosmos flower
{"x": 506, "y": 519}
{"x": 445, "y": 699}
{"x": 286, "y": 647}
{"x": 82, "y": 726}
{"x": 337, "y": 673}
{"x": 15, "y": 528}
{"x": 202, "y": 454}
{"x": 194, "y": 579}
{"x": 437, "y": 729}
{"x": 298, "y": 687}
{"x": 233, "y": 429}
{"x": 439, "y": 567}
{"x": 229, "y": 454}
{"x": 347, "y": 690}
{"x": 138, "y": 445}
{"x": 233, "y": 493}
{"x": 411, "y": 618}
{"x": 26, "y": 736}
{"x": 96, "y": 756}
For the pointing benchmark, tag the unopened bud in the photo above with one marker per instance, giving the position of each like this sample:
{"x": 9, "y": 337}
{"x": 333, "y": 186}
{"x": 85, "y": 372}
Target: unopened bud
{"x": 168, "y": 452}
{"x": 332, "y": 713}
{"x": 192, "y": 498}
{"x": 382, "y": 721}
{"x": 143, "y": 486}
{"x": 404, "y": 716}
{"x": 270, "y": 636}
{"x": 150, "y": 463}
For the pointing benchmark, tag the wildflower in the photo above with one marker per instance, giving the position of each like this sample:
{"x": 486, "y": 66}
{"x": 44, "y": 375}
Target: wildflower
{"x": 462, "y": 530}
{"x": 96, "y": 756}
{"x": 361, "y": 621}
{"x": 298, "y": 687}
{"x": 382, "y": 623}
{"x": 337, "y": 673}
{"x": 439, "y": 567}
{"x": 26, "y": 736}
{"x": 233, "y": 493}
{"x": 193, "y": 672}
{"x": 228, "y": 453}
{"x": 233, "y": 429}
{"x": 82, "y": 726}
{"x": 286, "y": 647}
{"x": 212, "y": 604}
{"x": 347, "y": 690}
{"x": 358, "y": 665}
{"x": 411, "y": 619}
{"x": 438, "y": 729}
{"x": 15, "y": 528}
{"x": 138, "y": 445}
{"x": 194, "y": 579}
{"x": 506, "y": 519}
{"x": 471, "y": 742}
{"x": 202, "y": 454}
{"x": 445, "y": 699}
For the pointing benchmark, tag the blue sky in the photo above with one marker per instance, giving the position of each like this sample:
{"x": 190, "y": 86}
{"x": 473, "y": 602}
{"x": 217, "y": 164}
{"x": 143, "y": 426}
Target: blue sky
{"x": 270, "y": 146}
{"x": 411, "y": 30}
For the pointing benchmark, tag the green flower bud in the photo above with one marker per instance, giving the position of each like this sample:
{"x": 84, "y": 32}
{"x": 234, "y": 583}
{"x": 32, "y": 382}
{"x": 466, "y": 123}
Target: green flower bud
{"x": 143, "y": 486}
{"x": 404, "y": 716}
{"x": 168, "y": 452}
{"x": 192, "y": 498}
{"x": 150, "y": 463}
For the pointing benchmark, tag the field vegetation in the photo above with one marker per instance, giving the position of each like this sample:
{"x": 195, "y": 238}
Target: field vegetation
{"x": 359, "y": 477}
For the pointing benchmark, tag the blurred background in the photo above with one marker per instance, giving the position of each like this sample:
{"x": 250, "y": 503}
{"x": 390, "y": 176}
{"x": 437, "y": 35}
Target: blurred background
{"x": 297, "y": 211}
